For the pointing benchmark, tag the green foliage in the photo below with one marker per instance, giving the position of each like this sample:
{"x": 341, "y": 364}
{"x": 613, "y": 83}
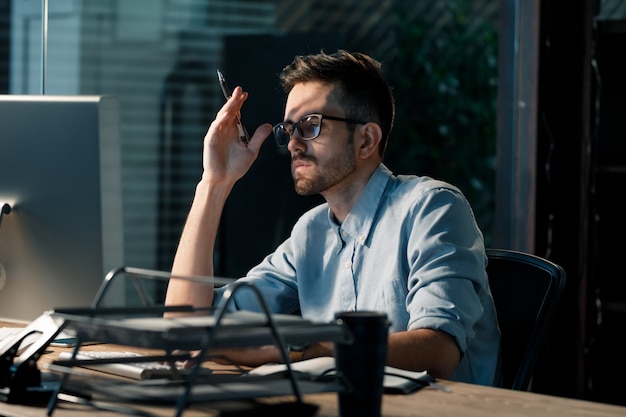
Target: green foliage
{"x": 444, "y": 76}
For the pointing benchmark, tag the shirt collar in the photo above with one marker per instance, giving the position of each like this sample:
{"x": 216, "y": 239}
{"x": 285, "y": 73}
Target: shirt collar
{"x": 359, "y": 221}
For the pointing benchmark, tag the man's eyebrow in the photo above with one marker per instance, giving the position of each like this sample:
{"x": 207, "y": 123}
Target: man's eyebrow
{"x": 303, "y": 116}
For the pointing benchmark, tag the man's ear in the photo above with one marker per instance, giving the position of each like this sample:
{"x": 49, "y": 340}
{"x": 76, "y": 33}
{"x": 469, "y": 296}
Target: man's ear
{"x": 370, "y": 135}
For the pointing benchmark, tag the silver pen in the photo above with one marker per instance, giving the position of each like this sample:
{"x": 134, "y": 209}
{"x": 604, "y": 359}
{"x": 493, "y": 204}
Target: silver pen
{"x": 243, "y": 133}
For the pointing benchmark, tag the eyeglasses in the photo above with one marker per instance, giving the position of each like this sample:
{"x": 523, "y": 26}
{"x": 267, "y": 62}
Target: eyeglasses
{"x": 309, "y": 127}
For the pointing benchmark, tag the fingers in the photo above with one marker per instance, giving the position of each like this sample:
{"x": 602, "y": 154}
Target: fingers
{"x": 260, "y": 134}
{"x": 235, "y": 102}
{"x": 191, "y": 362}
{"x": 231, "y": 110}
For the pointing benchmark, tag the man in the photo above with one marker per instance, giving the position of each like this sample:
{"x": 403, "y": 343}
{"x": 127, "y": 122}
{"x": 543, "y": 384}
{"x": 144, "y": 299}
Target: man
{"x": 406, "y": 245}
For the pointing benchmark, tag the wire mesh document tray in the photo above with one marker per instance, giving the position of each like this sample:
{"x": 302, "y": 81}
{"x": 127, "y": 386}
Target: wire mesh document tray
{"x": 173, "y": 336}
{"x": 235, "y": 329}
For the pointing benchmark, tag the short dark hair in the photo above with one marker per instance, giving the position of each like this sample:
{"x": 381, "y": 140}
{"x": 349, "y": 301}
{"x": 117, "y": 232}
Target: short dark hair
{"x": 363, "y": 92}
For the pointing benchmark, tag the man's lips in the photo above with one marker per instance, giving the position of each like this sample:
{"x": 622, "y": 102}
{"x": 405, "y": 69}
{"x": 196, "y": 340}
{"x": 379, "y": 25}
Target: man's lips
{"x": 299, "y": 163}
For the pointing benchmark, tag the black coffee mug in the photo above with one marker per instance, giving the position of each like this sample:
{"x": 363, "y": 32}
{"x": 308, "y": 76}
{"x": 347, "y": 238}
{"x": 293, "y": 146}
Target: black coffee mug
{"x": 362, "y": 362}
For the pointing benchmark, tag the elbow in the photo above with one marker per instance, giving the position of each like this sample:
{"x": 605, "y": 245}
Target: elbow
{"x": 443, "y": 367}
{"x": 445, "y": 363}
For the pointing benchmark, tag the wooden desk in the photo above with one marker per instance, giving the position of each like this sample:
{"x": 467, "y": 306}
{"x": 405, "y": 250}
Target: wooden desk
{"x": 463, "y": 400}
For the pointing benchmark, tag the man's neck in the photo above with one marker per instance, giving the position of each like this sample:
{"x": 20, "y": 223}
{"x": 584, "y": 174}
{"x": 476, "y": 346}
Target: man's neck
{"x": 343, "y": 196}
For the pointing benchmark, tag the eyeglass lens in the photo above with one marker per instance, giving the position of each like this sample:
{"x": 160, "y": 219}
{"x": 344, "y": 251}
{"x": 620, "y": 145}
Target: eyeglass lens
{"x": 308, "y": 128}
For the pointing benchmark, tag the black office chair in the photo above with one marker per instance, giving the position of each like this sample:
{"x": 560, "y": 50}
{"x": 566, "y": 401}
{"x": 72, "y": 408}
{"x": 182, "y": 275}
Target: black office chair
{"x": 526, "y": 290}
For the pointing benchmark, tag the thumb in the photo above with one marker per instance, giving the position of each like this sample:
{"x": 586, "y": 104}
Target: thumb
{"x": 260, "y": 134}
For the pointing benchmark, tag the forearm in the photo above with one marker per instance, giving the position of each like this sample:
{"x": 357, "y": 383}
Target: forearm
{"x": 424, "y": 349}
{"x": 194, "y": 256}
{"x": 225, "y": 159}
{"x": 416, "y": 350}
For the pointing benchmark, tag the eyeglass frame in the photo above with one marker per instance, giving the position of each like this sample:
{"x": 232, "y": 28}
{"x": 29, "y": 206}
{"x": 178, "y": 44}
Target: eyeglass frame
{"x": 296, "y": 127}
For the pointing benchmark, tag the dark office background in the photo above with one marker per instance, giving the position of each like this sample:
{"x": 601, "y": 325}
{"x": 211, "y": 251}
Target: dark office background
{"x": 165, "y": 79}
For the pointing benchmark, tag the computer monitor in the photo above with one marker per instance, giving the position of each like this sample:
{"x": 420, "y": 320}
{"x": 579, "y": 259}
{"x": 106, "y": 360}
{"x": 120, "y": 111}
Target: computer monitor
{"x": 60, "y": 172}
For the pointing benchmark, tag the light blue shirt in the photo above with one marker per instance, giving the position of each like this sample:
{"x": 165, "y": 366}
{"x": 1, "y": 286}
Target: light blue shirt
{"x": 409, "y": 247}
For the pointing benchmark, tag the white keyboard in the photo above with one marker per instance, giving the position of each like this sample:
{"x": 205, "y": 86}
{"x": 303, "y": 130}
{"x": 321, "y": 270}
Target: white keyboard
{"x": 134, "y": 370}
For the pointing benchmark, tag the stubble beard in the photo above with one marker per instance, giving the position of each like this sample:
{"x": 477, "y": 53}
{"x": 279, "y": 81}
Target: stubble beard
{"x": 326, "y": 175}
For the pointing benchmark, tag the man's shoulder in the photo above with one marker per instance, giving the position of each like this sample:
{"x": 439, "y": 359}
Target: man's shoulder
{"x": 315, "y": 214}
{"x": 411, "y": 184}
{"x": 419, "y": 185}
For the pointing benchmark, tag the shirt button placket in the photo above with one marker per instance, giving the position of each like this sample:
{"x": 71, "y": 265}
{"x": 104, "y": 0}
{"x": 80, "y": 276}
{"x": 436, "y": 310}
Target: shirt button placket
{"x": 348, "y": 294}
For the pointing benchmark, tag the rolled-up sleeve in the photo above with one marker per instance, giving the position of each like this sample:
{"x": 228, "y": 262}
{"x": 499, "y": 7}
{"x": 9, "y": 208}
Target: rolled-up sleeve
{"x": 447, "y": 265}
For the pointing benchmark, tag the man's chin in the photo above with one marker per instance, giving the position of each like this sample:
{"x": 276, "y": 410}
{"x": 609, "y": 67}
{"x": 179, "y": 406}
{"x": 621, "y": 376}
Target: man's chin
{"x": 302, "y": 188}
{"x": 303, "y": 192}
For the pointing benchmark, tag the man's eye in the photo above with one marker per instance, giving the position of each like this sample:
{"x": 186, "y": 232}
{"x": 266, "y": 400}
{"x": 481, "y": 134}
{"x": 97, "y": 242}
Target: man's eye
{"x": 309, "y": 123}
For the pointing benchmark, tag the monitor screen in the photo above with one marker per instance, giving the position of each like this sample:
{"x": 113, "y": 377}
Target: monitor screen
{"x": 60, "y": 173}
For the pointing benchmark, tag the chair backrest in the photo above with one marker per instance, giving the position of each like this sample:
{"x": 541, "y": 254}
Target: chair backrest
{"x": 526, "y": 290}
